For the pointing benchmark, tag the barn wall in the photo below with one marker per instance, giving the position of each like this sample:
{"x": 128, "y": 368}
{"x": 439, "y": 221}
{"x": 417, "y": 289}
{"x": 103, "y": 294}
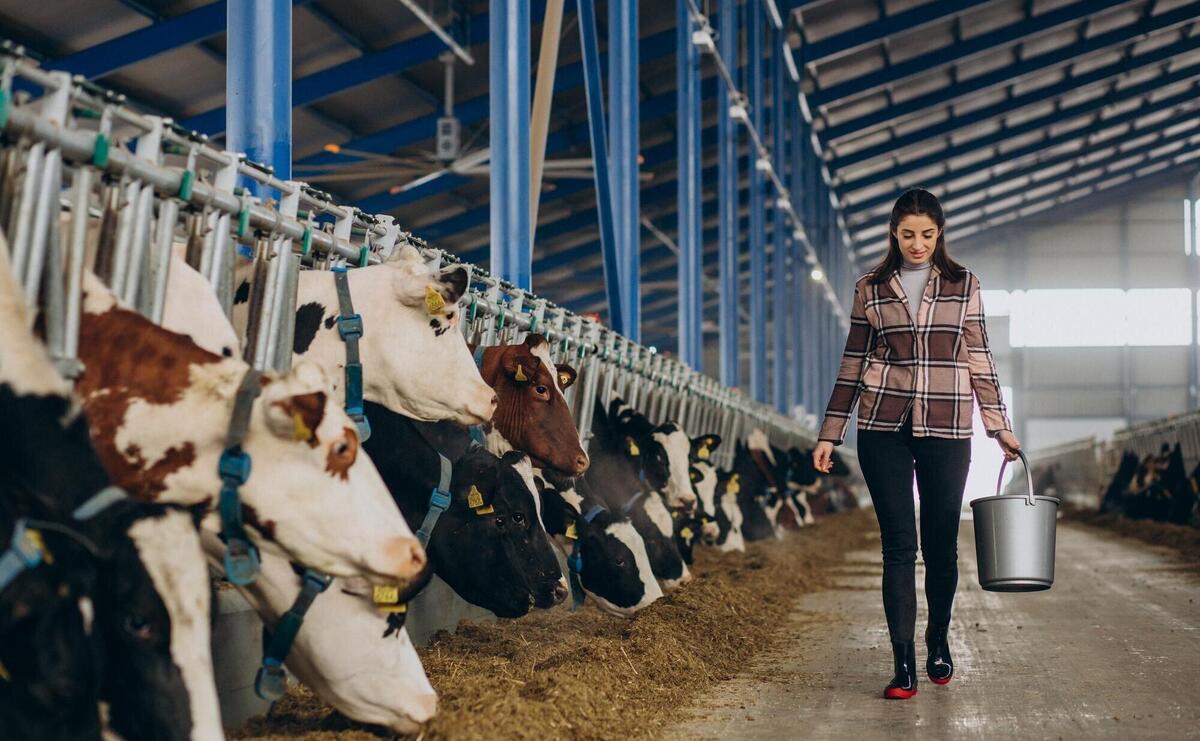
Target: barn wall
{"x": 1129, "y": 240}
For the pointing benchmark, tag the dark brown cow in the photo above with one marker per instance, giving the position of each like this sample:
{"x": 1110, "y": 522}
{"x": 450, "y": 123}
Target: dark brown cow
{"x": 532, "y": 415}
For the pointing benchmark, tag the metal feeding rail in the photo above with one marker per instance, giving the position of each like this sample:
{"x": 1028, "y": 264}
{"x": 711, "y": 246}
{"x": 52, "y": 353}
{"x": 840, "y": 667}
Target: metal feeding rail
{"x": 72, "y": 151}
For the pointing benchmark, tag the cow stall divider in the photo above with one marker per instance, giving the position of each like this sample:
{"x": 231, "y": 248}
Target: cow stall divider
{"x": 86, "y": 181}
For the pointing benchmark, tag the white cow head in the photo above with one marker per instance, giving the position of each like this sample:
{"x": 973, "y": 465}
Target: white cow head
{"x": 160, "y": 406}
{"x": 415, "y": 359}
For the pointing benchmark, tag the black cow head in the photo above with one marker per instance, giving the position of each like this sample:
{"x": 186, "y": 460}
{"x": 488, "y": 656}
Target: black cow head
{"x": 753, "y": 495}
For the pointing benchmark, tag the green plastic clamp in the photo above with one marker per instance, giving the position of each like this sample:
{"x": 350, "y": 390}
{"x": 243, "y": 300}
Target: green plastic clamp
{"x": 306, "y": 242}
{"x": 243, "y": 222}
{"x": 364, "y": 256}
{"x": 186, "y": 181}
{"x": 5, "y": 101}
{"x": 100, "y": 151}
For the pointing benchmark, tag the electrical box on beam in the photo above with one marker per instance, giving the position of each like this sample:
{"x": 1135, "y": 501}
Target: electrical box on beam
{"x": 449, "y": 138}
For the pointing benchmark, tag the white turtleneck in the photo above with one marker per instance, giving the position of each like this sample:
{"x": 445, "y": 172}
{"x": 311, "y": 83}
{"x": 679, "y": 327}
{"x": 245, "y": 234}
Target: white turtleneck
{"x": 913, "y": 278}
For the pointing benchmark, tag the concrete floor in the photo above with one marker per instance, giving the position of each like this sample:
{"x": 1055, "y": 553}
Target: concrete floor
{"x": 1110, "y": 652}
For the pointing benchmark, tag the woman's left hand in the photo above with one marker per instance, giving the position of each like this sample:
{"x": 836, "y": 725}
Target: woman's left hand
{"x": 1009, "y": 444}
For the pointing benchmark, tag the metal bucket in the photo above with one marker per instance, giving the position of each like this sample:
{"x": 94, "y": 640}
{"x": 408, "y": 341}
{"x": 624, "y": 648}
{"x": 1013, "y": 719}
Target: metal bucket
{"x": 1014, "y": 538}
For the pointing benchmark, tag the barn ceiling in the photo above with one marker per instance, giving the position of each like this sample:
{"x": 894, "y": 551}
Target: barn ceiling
{"x": 1004, "y": 108}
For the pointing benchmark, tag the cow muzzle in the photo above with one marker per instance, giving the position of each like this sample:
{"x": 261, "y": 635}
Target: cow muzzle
{"x": 403, "y": 559}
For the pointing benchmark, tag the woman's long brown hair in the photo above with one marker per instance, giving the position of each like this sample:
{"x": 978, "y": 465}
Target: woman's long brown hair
{"x": 916, "y": 201}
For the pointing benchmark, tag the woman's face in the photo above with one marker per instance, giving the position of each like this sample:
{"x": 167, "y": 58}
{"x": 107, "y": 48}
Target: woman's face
{"x": 917, "y": 235}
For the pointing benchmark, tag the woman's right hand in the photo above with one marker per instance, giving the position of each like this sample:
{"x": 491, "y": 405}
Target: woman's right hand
{"x": 823, "y": 456}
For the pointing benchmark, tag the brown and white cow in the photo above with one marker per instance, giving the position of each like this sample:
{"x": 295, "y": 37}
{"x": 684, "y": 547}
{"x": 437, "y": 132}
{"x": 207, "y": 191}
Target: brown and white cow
{"x": 160, "y": 406}
{"x": 532, "y": 415}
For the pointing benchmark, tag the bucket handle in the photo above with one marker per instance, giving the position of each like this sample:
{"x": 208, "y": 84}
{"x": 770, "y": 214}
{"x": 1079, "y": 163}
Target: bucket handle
{"x": 1028, "y": 478}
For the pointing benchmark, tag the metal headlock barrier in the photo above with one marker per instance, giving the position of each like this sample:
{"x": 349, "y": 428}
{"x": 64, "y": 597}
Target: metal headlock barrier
{"x": 76, "y": 159}
{"x": 1085, "y": 466}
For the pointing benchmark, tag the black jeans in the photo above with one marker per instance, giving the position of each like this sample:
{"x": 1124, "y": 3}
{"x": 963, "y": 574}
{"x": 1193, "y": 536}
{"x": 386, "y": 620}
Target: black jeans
{"x": 888, "y": 460}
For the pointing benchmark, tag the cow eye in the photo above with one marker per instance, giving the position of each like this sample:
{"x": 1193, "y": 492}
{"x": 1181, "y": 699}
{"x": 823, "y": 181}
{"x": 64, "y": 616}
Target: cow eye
{"x": 499, "y": 522}
{"x": 542, "y": 391}
{"x": 518, "y": 518}
{"x": 138, "y": 627}
{"x": 620, "y": 562}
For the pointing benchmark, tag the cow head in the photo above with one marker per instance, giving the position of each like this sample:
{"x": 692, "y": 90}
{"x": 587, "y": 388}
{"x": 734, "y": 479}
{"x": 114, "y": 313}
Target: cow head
{"x": 615, "y": 569}
{"x": 490, "y": 546}
{"x": 160, "y": 407}
{"x": 415, "y": 359}
{"x": 662, "y": 451}
{"x": 532, "y": 414}
{"x": 729, "y": 513}
{"x": 655, "y": 523}
{"x": 753, "y": 496}
{"x": 704, "y": 482}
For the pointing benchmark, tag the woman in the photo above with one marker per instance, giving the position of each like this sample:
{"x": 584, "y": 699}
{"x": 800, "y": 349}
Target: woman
{"x": 917, "y": 350}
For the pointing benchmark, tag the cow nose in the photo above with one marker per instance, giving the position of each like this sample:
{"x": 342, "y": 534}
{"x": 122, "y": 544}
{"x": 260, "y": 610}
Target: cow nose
{"x": 406, "y": 558}
{"x": 560, "y": 593}
{"x": 581, "y": 463}
{"x": 495, "y": 401}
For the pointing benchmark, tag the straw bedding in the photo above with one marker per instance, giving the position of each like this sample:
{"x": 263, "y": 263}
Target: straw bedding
{"x": 588, "y": 675}
{"x": 1184, "y": 540}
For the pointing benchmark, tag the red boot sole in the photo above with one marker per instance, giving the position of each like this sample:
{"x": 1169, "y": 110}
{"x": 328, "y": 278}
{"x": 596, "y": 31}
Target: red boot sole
{"x": 896, "y": 693}
{"x": 941, "y": 681}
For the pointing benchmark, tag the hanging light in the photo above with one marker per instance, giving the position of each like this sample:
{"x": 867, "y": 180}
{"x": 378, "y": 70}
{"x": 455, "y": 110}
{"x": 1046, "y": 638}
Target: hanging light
{"x": 816, "y": 274}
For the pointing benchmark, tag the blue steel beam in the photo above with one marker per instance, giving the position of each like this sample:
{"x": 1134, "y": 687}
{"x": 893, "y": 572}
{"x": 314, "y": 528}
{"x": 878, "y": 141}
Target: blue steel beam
{"x": 472, "y": 111}
{"x": 758, "y": 248}
{"x": 623, "y": 128}
{"x": 781, "y": 272}
{"x": 887, "y": 25}
{"x": 258, "y": 77}
{"x": 690, "y": 192}
{"x": 961, "y": 50}
{"x": 590, "y": 47}
{"x": 798, "y": 313}
{"x": 508, "y": 75}
{"x": 1187, "y": 98}
{"x": 1161, "y": 139}
{"x": 727, "y": 134}
{"x": 1010, "y": 74}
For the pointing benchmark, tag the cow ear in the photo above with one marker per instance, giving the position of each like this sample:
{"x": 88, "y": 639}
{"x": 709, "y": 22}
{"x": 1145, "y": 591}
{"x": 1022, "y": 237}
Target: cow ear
{"x": 566, "y": 376}
{"x": 294, "y": 404}
{"x": 453, "y": 282}
{"x": 703, "y": 446}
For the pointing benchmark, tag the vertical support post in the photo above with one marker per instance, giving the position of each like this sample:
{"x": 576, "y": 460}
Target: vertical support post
{"x": 543, "y": 92}
{"x": 758, "y": 214}
{"x": 258, "y": 83}
{"x": 623, "y": 127}
{"x": 691, "y": 255}
{"x": 781, "y": 272}
{"x": 800, "y": 305}
{"x": 511, "y": 253}
{"x": 1193, "y": 241}
{"x": 727, "y": 199}
{"x": 590, "y": 50}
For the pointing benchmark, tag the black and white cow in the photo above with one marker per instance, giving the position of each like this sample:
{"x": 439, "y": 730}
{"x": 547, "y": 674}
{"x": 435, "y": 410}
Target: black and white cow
{"x": 118, "y": 611}
{"x": 493, "y": 551}
{"x": 729, "y": 512}
{"x": 619, "y": 478}
{"x": 661, "y": 452}
{"x": 614, "y": 568}
{"x": 754, "y": 497}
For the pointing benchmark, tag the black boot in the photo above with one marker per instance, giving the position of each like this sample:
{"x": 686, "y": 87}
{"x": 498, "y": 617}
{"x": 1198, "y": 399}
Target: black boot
{"x": 939, "y": 665}
{"x": 904, "y": 684}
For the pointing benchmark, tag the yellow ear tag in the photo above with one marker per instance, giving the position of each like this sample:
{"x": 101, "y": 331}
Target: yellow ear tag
{"x": 399, "y": 608}
{"x": 564, "y": 380}
{"x": 300, "y": 430}
{"x": 35, "y": 537}
{"x": 521, "y": 374}
{"x": 385, "y": 595}
{"x": 686, "y": 533}
{"x": 434, "y": 302}
{"x": 702, "y": 453}
{"x": 633, "y": 448}
{"x": 474, "y": 498}
{"x": 4, "y": 673}
{"x": 572, "y": 532}
{"x": 481, "y": 511}
{"x": 733, "y": 487}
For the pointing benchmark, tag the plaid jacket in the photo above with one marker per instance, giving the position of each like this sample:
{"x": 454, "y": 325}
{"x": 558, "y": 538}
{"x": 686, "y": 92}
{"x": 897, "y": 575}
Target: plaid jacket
{"x": 930, "y": 365}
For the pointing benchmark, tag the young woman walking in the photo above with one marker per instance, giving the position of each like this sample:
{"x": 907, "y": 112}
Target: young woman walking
{"x": 916, "y": 354}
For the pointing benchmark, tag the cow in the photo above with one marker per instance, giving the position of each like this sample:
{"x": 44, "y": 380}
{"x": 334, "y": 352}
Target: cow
{"x": 490, "y": 545}
{"x": 758, "y": 503}
{"x": 159, "y": 408}
{"x": 613, "y": 566}
{"x": 532, "y": 414}
{"x": 729, "y": 512}
{"x": 617, "y": 477}
{"x": 415, "y": 360}
{"x": 704, "y": 482}
{"x": 1121, "y": 479}
{"x": 118, "y": 610}
{"x": 661, "y": 451}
